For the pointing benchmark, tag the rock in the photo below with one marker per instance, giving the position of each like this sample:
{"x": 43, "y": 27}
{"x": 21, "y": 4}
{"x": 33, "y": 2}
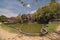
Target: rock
{"x": 44, "y": 31}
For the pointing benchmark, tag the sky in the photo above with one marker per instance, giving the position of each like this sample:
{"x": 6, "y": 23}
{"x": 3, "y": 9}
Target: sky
{"x": 11, "y": 8}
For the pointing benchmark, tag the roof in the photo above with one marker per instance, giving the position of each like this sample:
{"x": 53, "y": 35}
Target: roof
{"x": 12, "y": 18}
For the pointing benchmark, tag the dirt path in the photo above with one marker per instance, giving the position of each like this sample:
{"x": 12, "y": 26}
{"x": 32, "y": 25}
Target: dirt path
{"x": 6, "y": 35}
{"x": 58, "y": 28}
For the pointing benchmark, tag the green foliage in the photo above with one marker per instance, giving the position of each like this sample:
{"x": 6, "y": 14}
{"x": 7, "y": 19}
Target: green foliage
{"x": 3, "y": 18}
{"x": 23, "y": 16}
{"x": 19, "y": 19}
{"x": 48, "y": 12}
{"x": 9, "y": 28}
{"x": 52, "y": 27}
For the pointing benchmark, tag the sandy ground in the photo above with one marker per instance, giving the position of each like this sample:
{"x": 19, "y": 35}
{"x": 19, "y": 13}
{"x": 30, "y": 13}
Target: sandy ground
{"x": 5, "y": 35}
{"x": 58, "y": 28}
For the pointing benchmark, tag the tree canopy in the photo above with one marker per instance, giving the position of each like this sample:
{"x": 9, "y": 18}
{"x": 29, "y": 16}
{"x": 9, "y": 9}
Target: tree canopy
{"x": 3, "y": 18}
{"x": 48, "y": 12}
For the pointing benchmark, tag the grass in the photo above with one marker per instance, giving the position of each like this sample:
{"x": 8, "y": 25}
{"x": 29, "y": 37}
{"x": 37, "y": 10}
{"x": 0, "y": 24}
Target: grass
{"x": 8, "y": 28}
{"x": 52, "y": 27}
{"x": 35, "y": 28}
{"x": 29, "y": 28}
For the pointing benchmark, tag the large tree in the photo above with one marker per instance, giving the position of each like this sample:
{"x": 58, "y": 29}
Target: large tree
{"x": 48, "y": 12}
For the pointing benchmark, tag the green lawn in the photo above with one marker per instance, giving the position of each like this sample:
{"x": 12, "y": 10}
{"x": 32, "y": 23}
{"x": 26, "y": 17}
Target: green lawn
{"x": 52, "y": 27}
{"x": 29, "y": 28}
{"x": 8, "y": 28}
{"x": 35, "y": 28}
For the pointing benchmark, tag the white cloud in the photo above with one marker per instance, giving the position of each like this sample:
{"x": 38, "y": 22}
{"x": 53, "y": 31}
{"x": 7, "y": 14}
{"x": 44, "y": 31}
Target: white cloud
{"x": 32, "y": 12}
{"x": 7, "y": 12}
{"x": 28, "y": 5}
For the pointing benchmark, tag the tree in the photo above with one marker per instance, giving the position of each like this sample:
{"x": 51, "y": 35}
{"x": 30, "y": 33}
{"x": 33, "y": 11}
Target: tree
{"x": 24, "y": 18}
{"x": 48, "y": 12}
{"x": 3, "y": 18}
{"x": 19, "y": 18}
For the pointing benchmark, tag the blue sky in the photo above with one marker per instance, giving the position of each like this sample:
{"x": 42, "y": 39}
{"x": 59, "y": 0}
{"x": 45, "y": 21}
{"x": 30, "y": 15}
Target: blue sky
{"x": 13, "y": 7}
